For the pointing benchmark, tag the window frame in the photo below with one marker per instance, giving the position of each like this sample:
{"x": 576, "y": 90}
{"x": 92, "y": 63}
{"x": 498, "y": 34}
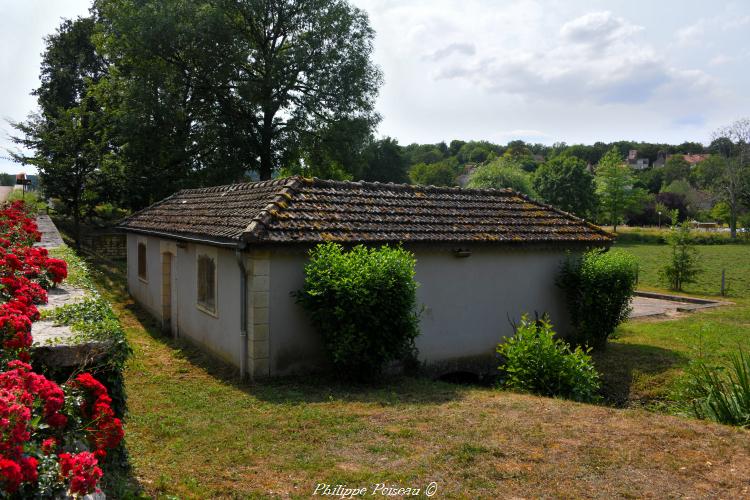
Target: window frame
{"x": 142, "y": 242}
{"x": 204, "y": 307}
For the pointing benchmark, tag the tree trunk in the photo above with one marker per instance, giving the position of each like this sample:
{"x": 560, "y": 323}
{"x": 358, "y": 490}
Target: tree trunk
{"x": 77, "y": 229}
{"x": 266, "y": 155}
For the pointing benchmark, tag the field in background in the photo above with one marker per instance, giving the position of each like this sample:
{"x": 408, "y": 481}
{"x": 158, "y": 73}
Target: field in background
{"x": 644, "y": 364}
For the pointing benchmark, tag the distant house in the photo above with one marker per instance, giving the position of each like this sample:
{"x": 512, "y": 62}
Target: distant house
{"x": 219, "y": 265}
{"x": 635, "y": 162}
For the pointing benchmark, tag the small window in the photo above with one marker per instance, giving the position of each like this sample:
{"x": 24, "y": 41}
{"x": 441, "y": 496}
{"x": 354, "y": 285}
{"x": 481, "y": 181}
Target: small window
{"x": 207, "y": 283}
{"x": 142, "y": 261}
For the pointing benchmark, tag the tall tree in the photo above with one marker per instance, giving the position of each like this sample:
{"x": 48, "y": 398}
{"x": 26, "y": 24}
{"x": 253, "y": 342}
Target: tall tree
{"x": 385, "y": 162}
{"x": 615, "y": 186}
{"x": 733, "y": 185}
{"x": 68, "y": 135}
{"x": 565, "y": 183}
{"x": 295, "y": 67}
{"x": 223, "y": 87}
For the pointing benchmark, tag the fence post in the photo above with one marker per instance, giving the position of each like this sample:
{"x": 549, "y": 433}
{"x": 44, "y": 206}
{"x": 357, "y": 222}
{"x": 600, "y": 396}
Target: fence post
{"x": 723, "y": 289}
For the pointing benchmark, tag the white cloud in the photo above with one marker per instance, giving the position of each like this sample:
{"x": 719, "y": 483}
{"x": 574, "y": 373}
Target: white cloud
{"x": 597, "y": 29}
{"x": 596, "y": 57}
{"x": 691, "y": 35}
{"x": 457, "y": 48}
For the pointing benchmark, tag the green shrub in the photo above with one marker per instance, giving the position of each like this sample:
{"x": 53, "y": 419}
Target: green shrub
{"x": 683, "y": 266}
{"x": 721, "y": 394}
{"x": 363, "y": 303}
{"x": 536, "y": 362}
{"x": 598, "y": 288}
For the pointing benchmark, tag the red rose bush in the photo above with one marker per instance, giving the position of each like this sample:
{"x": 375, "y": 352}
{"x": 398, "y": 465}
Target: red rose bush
{"x": 51, "y": 436}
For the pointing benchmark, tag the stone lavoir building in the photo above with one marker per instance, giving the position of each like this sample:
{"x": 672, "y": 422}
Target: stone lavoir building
{"x": 218, "y": 265}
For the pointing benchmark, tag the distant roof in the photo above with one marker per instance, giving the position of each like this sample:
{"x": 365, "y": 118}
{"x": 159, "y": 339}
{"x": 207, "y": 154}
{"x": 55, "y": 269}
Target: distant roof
{"x": 305, "y": 210}
{"x": 696, "y": 158}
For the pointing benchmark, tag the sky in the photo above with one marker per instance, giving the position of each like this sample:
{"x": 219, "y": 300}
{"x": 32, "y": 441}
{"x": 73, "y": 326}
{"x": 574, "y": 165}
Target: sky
{"x": 577, "y": 71}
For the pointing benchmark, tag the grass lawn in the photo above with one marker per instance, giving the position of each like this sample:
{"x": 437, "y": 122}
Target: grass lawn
{"x": 194, "y": 432}
{"x": 643, "y": 365}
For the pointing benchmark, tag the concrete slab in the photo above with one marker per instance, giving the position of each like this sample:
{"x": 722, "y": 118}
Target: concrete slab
{"x": 647, "y": 304}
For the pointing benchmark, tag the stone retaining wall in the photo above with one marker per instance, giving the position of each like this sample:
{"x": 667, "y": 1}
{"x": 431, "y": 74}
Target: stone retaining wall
{"x": 110, "y": 245}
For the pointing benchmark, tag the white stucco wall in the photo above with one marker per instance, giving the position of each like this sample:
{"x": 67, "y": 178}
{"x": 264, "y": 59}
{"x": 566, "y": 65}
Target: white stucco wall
{"x": 467, "y": 303}
{"x": 220, "y": 332}
{"x": 148, "y": 292}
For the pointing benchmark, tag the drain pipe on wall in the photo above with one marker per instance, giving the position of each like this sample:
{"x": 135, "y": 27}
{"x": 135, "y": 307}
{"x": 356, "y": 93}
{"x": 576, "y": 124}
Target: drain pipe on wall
{"x": 243, "y": 309}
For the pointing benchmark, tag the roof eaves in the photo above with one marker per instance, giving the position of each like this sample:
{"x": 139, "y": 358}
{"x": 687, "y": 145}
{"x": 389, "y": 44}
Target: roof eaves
{"x": 190, "y": 238}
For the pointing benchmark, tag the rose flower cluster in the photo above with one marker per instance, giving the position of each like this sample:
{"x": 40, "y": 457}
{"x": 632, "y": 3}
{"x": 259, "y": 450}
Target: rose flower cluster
{"x": 51, "y": 436}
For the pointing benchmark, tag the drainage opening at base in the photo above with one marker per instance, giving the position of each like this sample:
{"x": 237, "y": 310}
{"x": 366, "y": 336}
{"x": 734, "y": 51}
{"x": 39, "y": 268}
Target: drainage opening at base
{"x": 465, "y": 378}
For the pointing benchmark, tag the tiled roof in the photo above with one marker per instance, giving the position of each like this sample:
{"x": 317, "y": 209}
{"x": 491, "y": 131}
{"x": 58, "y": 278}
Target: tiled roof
{"x": 313, "y": 210}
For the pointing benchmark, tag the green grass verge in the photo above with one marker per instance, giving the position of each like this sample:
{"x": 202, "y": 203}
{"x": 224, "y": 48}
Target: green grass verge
{"x": 644, "y": 364}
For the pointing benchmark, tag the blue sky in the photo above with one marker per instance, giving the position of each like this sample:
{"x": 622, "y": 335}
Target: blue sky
{"x": 573, "y": 71}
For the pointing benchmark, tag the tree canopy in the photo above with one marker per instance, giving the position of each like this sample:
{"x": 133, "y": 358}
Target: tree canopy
{"x": 565, "y": 183}
{"x": 501, "y": 174}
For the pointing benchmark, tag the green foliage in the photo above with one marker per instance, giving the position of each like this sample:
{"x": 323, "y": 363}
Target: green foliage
{"x": 721, "y": 212}
{"x": 683, "y": 266}
{"x": 92, "y": 319}
{"x": 616, "y": 188}
{"x": 534, "y": 361}
{"x": 721, "y": 393}
{"x": 7, "y": 179}
{"x": 363, "y": 304}
{"x": 501, "y": 174}
{"x": 385, "y": 162}
{"x": 565, "y": 183}
{"x": 676, "y": 168}
{"x": 232, "y": 86}
{"x": 68, "y": 136}
{"x": 78, "y": 271}
{"x": 441, "y": 173}
{"x": 598, "y": 287}
{"x": 661, "y": 236}
{"x": 32, "y": 199}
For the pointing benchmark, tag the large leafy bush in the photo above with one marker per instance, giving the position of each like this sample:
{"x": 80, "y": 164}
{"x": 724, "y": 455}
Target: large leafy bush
{"x": 363, "y": 303}
{"x": 534, "y": 361}
{"x": 599, "y": 287}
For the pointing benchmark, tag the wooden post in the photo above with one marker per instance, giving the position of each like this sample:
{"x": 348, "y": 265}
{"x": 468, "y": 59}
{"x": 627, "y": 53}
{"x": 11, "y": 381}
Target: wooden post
{"x": 723, "y": 289}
